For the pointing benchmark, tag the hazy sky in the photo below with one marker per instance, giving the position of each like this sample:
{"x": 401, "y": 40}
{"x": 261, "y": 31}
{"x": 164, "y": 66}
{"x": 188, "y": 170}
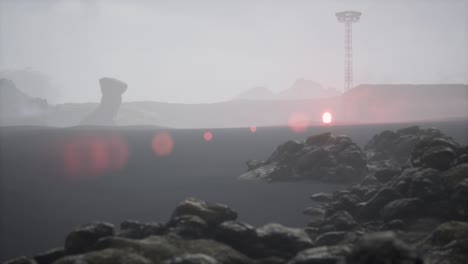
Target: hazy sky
{"x": 211, "y": 50}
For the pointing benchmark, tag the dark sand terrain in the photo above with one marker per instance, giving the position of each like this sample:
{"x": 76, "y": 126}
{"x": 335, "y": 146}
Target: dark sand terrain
{"x": 40, "y": 203}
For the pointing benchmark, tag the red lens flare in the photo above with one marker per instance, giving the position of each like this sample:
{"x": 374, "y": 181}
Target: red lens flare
{"x": 298, "y": 122}
{"x": 327, "y": 118}
{"x": 253, "y": 129}
{"x": 162, "y": 144}
{"x": 88, "y": 157}
{"x": 207, "y": 136}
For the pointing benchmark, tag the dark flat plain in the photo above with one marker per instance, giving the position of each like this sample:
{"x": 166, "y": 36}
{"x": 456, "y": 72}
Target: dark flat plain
{"x": 39, "y": 205}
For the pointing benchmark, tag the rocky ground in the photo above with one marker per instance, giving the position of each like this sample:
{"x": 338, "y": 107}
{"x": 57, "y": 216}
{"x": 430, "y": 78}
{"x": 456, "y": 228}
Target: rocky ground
{"x": 408, "y": 203}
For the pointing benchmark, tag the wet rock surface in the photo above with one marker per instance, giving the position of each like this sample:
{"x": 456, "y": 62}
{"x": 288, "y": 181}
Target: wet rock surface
{"x": 325, "y": 157}
{"x": 414, "y": 213}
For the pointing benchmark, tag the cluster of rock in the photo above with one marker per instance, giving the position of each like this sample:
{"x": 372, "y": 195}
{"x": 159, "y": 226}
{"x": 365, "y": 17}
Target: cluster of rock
{"x": 206, "y": 233}
{"x": 417, "y": 187}
{"x": 336, "y": 158}
{"x": 325, "y": 157}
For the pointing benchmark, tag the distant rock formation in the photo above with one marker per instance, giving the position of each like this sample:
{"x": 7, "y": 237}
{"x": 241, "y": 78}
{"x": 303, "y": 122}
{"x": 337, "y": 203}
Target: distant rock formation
{"x": 112, "y": 90}
{"x": 17, "y": 108}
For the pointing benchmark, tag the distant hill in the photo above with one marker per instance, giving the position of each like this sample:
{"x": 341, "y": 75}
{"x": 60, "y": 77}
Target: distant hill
{"x": 257, "y": 93}
{"x": 301, "y": 89}
{"x": 306, "y": 89}
{"x": 18, "y": 108}
{"x": 370, "y": 103}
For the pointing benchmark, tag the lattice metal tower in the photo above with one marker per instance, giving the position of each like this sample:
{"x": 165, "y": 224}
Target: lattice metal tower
{"x": 348, "y": 18}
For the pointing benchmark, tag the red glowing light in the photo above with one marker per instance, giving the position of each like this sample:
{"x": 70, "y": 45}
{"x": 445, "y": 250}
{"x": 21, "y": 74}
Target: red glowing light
{"x": 327, "y": 118}
{"x": 253, "y": 129}
{"x": 298, "y": 122}
{"x": 208, "y": 136}
{"x": 87, "y": 157}
{"x": 162, "y": 144}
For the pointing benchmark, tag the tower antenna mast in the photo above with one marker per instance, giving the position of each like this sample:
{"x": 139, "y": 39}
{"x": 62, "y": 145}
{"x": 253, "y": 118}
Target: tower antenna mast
{"x": 348, "y": 18}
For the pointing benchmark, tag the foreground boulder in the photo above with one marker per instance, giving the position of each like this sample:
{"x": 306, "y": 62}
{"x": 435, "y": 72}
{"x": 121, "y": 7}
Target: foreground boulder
{"x": 325, "y": 157}
{"x": 84, "y": 238}
{"x": 162, "y": 248}
{"x": 381, "y": 248}
{"x": 112, "y": 90}
{"x": 283, "y": 241}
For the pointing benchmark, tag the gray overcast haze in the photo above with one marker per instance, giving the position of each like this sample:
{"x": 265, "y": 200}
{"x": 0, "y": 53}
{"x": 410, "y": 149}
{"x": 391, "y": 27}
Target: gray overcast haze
{"x": 211, "y": 50}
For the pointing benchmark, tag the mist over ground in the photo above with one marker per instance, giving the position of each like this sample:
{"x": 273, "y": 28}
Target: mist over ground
{"x": 202, "y": 52}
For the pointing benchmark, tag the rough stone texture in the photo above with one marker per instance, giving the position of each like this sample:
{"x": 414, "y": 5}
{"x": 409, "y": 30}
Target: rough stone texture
{"x": 342, "y": 221}
{"x": 240, "y": 236}
{"x": 137, "y": 230}
{"x": 321, "y": 197}
{"x": 424, "y": 183}
{"x": 371, "y": 208}
{"x": 314, "y": 212}
{"x": 392, "y": 149}
{"x": 382, "y": 248}
{"x": 327, "y": 254}
{"x": 455, "y": 175}
{"x": 283, "y": 241}
{"x": 84, "y": 238}
{"x": 162, "y": 248}
{"x": 452, "y": 253}
{"x": 403, "y": 209}
{"x": 107, "y": 256}
{"x": 20, "y": 260}
{"x": 330, "y": 238}
{"x": 112, "y": 90}
{"x": 211, "y": 213}
{"x": 459, "y": 200}
{"x": 189, "y": 226}
{"x": 49, "y": 256}
{"x": 192, "y": 259}
{"x": 437, "y": 153}
{"x": 448, "y": 232}
{"x": 325, "y": 157}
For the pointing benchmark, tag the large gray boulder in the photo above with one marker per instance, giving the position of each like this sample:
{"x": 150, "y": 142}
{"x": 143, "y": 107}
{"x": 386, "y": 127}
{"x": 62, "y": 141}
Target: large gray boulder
{"x": 84, "y": 238}
{"x": 381, "y": 248}
{"x": 283, "y": 241}
{"x": 112, "y": 90}
{"x": 390, "y": 150}
{"x": 324, "y": 157}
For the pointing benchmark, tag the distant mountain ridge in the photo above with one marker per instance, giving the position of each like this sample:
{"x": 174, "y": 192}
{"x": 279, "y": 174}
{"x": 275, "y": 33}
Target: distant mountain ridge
{"x": 367, "y": 103}
{"x": 300, "y": 89}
